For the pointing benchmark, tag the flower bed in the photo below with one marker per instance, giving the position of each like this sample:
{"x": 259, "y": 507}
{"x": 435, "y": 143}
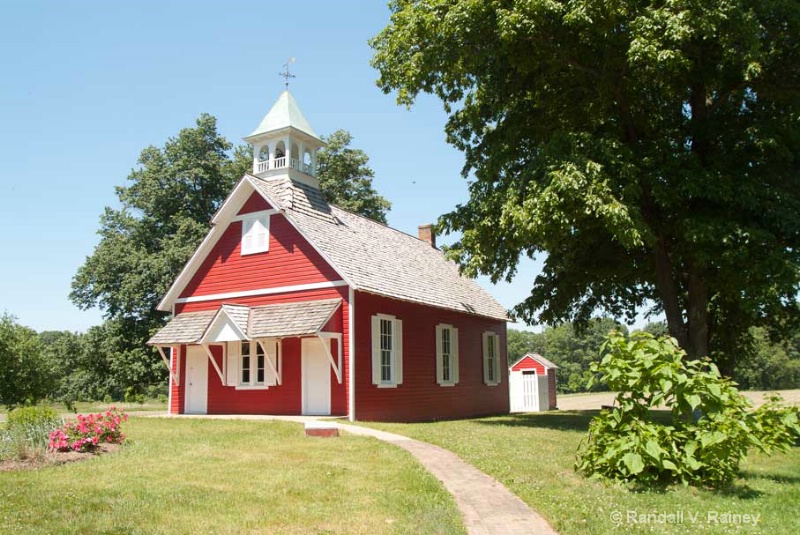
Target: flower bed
{"x": 89, "y": 432}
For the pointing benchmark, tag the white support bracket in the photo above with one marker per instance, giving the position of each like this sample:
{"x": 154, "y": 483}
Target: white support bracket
{"x": 174, "y": 376}
{"x": 269, "y": 360}
{"x": 337, "y": 366}
{"x": 214, "y": 362}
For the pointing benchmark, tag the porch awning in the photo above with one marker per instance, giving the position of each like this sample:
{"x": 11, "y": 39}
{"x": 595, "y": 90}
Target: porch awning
{"x": 266, "y": 321}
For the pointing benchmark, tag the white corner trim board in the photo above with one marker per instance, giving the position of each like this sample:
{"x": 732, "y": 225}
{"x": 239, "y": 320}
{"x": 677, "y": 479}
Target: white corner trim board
{"x": 263, "y": 291}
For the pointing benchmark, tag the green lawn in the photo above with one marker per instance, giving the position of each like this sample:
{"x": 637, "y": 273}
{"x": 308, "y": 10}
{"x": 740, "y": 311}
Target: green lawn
{"x": 216, "y": 476}
{"x": 533, "y": 455}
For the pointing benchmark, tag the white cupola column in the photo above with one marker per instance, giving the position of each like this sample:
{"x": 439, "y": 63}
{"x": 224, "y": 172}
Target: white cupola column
{"x": 313, "y": 162}
{"x": 271, "y": 148}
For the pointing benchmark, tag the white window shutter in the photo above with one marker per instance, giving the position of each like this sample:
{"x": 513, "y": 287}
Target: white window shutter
{"x": 261, "y": 228}
{"x": 376, "y": 350}
{"x": 247, "y": 236}
{"x": 398, "y": 351}
{"x": 232, "y": 375}
{"x": 454, "y": 351}
{"x": 270, "y": 379}
{"x": 497, "y": 367}
{"x": 486, "y": 358}
{"x": 439, "y": 364}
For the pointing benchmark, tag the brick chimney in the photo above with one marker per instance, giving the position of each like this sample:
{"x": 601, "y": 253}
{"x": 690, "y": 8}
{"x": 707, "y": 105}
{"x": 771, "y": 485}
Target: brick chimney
{"x": 427, "y": 234}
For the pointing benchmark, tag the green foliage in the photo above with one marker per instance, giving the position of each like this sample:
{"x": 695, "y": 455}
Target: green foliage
{"x": 710, "y": 427}
{"x": 25, "y": 376}
{"x": 649, "y": 149}
{"x": 27, "y": 431}
{"x": 346, "y": 178}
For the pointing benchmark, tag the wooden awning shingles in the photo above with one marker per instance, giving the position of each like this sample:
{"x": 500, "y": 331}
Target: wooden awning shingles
{"x": 267, "y": 321}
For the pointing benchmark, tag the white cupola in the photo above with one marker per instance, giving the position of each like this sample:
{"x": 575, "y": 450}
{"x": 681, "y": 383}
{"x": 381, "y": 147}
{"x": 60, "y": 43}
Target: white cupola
{"x": 285, "y": 144}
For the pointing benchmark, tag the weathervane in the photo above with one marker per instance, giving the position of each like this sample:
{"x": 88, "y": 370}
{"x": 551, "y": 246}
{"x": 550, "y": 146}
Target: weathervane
{"x": 286, "y": 74}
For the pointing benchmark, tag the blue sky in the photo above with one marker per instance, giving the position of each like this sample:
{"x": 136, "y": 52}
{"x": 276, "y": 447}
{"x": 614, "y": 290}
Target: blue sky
{"x": 87, "y": 85}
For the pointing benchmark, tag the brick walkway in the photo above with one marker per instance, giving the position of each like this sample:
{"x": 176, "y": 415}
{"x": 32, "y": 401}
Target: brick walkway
{"x": 487, "y": 507}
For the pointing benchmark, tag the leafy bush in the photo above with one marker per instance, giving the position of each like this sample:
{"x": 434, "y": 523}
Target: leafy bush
{"x": 90, "y": 431}
{"x": 710, "y": 426}
{"x": 27, "y": 431}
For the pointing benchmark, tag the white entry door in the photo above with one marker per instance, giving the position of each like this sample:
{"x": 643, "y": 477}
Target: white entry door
{"x": 530, "y": 391}
{"x": 196, "y": 381}
{"x": 316, "y": 378}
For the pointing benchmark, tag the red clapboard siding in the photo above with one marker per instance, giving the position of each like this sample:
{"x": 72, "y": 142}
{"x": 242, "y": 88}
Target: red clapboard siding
{"x": 529, "y": 363}
{"x": 285, "y": 398}
{"x": 290, "y": 261}
{"x": 176, "y": 392}
{"x": 420, "y": 398}
{"x": 255, "y": 203}
{"x": 551, "y": 393}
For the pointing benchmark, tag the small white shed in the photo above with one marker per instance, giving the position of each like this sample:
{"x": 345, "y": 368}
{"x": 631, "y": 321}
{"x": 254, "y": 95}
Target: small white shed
{"x": 532, "y": 384}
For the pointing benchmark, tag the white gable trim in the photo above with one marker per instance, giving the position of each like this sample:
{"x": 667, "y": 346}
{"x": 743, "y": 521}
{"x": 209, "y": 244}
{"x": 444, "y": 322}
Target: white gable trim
{"x": 222, "y": 316}
{"x": 537, "y": 358}
{"x": 226, "y": 214}
{"x": 263, "y": 291}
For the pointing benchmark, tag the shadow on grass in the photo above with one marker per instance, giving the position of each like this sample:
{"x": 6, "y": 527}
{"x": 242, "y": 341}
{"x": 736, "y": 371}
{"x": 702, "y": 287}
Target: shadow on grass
{"x": 777, "y": 478}
{"x": 558, "y": 420}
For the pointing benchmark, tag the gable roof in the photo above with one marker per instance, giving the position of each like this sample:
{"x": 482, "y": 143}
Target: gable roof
{"x": 283, "y": 114}
{"x": 376, "y": 258}
{"x": 268, "y": 321}
{"x": 538, "y": 358}
{"x": 367, "y": 255}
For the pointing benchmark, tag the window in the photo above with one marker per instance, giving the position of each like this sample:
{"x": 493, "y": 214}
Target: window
{"x": 255, "y": 235}
{"x": 387, "y": 351}
{"x": 446, "y": 355}
{"x": 491, "y": 358}
{"x": 253, "y": 369}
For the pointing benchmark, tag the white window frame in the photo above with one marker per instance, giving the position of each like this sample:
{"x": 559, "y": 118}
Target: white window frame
{"x": 380, "y": 351}
{"x": 446, "y": 353}
{"x": 252, "y": 228}
{"x": 256, "y": 349}
{"x": 491, "y": 358}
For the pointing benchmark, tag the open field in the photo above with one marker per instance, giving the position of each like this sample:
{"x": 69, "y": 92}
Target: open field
{"x": 594, "y": 400}
{"x": 222, "y": 476}
{"x": 533, "y": 455}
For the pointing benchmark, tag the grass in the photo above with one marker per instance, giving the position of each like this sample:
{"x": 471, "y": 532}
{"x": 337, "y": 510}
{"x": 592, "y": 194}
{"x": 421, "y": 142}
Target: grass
{"x": 533, "y": 455}
{"x": 218, "y": 476}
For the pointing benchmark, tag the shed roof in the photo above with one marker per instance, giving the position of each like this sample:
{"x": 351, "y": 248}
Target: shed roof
{"x": 537, "y": 357}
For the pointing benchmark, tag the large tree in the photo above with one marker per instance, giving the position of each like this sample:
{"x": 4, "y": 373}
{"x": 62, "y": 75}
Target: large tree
{"x": 650, "y": 149}
{"x": 164, "y": 213}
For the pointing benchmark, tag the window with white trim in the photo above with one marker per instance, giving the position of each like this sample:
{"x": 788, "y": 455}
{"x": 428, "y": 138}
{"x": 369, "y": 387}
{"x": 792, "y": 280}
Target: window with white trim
{"x": 253, "y": 365}
{"x": 387, "y": 351}
{"x": 491, "y": 358}
{"x": 446, "y": 355}
{"x": 255, "y": 234}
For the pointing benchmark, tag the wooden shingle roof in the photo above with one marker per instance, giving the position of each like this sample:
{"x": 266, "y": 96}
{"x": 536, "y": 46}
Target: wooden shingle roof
{"x": 376, "y": 258}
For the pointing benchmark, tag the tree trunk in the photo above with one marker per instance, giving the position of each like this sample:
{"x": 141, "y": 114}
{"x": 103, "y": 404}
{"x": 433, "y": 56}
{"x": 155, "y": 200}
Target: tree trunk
{"x": 668, "y": 289}
{"x": 697, "y": 315}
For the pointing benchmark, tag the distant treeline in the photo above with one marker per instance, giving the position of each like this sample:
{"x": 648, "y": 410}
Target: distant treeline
{"x": 770, "y": 365}
{"x": 67, "y": 366}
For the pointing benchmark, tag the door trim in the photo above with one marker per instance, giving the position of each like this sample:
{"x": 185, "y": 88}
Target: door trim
{"x": 305, "y": 346}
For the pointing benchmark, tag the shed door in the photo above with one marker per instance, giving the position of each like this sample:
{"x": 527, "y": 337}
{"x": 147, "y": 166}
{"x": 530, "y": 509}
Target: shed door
{"x": 316, "y": 378}
{"x": 196, "y": 381}
{"x": 530, "y": 391}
